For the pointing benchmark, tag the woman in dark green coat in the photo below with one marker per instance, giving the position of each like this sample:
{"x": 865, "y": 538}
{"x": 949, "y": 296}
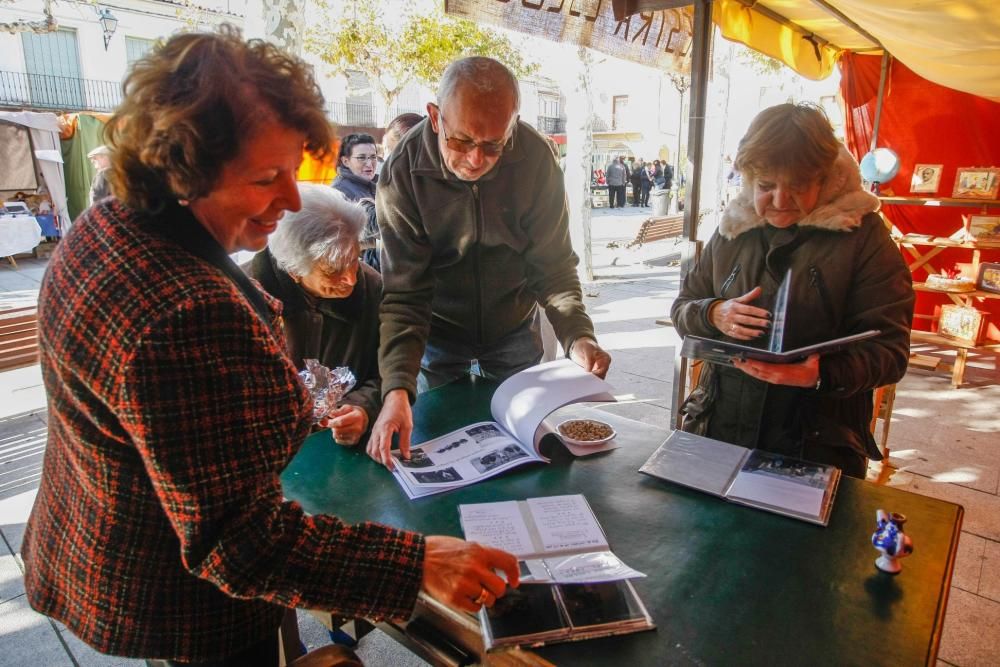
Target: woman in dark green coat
{"x": 802, "y": 207}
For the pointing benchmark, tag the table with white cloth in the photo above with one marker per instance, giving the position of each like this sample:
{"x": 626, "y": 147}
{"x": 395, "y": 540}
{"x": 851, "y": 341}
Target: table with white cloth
{"x": 18, "y": 233}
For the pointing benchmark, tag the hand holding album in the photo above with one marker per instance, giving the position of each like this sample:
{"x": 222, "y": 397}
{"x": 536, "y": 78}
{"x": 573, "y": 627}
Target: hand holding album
{"x": 800, "y": 374}
{"x": 726, "y": 352}
{"x": 738, "y": 319}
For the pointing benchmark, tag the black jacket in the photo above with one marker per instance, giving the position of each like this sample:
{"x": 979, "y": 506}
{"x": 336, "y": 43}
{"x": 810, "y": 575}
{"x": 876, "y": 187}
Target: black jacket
{"x": 467, "y": 262}
{"x": 847, "y": 277}
{"x": 354, "y": 187}
{"x": 338, "y": 332}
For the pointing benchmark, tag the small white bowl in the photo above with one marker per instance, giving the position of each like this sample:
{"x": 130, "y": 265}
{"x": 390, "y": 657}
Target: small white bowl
{"x": 584, "y": 443}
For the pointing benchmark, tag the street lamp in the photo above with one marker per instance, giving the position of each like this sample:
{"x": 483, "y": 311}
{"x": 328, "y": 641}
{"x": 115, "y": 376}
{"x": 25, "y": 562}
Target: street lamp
{"x": 109, "y": 23}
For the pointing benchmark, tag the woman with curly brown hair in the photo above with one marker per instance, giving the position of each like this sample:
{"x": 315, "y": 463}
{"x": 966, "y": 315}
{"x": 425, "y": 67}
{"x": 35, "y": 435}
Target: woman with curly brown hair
{"x": 159, "y": 529}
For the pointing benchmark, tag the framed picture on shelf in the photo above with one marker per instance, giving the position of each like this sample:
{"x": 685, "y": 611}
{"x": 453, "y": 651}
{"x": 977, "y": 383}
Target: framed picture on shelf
{"x": 976, "y": 183}
{"x": 983, "y": 227}
{"x": 989, "y": 277}
{"x": 926, "y": 178}
{"x": 961, "y": 323}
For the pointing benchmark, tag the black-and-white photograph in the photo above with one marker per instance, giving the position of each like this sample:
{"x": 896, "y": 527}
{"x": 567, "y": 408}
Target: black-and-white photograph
{"x": 451, "y": 445}
{"x": 438, "y": 476}
{"x": 795, "y": 470}
{"x": 926, "y": 178}
{"x": 418, "y": 459}
{"x": 484, "y": 432}
{"x": 498, "y": 457}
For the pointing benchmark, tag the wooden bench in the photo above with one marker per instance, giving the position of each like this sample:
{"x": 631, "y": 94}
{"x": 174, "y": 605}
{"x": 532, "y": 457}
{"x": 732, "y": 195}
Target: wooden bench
{"x": 18, "y": 337}
{"x": 657, "y": 228}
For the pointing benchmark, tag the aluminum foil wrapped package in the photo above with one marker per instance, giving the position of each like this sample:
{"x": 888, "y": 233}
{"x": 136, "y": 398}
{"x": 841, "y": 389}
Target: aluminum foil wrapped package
{"x": 327, "y": 386}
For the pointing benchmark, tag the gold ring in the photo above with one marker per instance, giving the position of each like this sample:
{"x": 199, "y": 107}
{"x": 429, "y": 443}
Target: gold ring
{"x": 483, "y": 594}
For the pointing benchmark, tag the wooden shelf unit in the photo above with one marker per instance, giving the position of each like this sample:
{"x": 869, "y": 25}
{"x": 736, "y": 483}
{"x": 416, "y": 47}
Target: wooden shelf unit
{"x": 941, "y": 201}
{"x": 923, "y": 249}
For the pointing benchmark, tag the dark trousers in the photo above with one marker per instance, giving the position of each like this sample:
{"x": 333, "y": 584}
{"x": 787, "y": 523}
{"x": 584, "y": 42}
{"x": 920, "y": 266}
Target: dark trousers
{"x": 644, "y": 196}
{"x": 616, "y": 193}
{"x": 636, "y": 193}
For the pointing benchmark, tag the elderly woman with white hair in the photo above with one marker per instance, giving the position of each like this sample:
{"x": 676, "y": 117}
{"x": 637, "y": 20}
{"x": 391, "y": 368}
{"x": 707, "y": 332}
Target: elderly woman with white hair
{"x": 331, "y": 300}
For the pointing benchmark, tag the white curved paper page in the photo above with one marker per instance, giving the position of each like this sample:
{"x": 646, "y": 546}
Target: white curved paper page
{"x": 523, "y": 400}
{"x": 590, "y": 568}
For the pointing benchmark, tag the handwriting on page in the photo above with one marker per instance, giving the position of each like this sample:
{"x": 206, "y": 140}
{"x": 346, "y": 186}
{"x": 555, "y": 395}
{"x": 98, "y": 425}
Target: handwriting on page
{"x": 566, "y": 522}
{"x": 497, "y": 525}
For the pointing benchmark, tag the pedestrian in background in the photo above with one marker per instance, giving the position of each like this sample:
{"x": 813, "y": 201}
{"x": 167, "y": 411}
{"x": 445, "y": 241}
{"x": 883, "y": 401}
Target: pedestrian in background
{"x": 617, "y": 176}
{"x": 635, "y": 177}
{"x": 356, "y": 163}
{"x": 100, "y": 188}
{"x": 646, "y": 176}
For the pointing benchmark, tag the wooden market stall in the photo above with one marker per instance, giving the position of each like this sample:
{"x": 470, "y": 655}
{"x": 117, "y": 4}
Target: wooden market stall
{"x": 950, "y": 53}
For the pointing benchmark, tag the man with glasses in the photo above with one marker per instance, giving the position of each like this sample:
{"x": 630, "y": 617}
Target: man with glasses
{"x": 356, "y": 163}
{"x": 475, "y": 233}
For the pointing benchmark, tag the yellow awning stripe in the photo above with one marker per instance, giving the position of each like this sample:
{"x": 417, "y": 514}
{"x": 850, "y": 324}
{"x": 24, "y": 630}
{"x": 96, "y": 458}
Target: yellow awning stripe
{"x": 740, "y": 23}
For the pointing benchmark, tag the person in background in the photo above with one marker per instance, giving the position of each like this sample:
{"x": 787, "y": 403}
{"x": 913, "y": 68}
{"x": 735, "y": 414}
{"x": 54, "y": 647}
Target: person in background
{"x": 617, "y": 177}
{"x": 668, "y": 174}
{"x": 160, "y": 530}
{"x": 646, "y": 176}
{"x": 356, "y": 163}
{"x": 475, "y": 228}
{"x": 668, "y": 181}
{"x": 635, "y": 178}
{"x": 659, "y": 179}
{"x": 802, "y": 208}
{"x": 396, "y": 129}
{"x": 329, "y": 299}
{"x": 100, "y": 188}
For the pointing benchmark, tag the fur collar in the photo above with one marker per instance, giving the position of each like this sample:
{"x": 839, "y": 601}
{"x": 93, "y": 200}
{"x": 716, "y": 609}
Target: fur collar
{"x": 841, "y": 205}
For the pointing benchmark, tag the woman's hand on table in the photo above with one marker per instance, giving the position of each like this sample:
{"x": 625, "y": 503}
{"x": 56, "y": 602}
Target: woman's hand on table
{"x": 803, "y": 374}
{"x": 395, "y": 417}
{"x": 464, "y": 575}
{"x": 348, "y": 423}
{"x": 737, "y": 319}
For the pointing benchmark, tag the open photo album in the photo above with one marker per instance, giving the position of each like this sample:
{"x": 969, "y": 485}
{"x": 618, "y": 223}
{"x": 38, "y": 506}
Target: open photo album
{"x": 725, "y": 352}
{"x": 752, "y": 477}
{"x": 572, "y": 585}
{"x": 481, "y": 450}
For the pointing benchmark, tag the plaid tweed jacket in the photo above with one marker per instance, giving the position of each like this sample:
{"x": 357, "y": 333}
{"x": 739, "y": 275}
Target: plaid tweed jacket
{"x": 159, "y": 529}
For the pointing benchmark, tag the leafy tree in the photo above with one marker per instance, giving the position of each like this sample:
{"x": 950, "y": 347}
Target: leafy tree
{"x": 762, "y": 64}
{"x": 417, "y": 48}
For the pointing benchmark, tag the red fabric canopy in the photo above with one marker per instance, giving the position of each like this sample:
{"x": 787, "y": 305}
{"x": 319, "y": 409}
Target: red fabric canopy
{"x": 925, "y": 124}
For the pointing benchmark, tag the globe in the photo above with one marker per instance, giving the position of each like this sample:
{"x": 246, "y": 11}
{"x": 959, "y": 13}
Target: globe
{"x": 880, "y": 165}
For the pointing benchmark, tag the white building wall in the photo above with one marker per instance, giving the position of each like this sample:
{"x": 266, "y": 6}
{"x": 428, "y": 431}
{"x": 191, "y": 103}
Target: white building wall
{"x": 147, "y": 19}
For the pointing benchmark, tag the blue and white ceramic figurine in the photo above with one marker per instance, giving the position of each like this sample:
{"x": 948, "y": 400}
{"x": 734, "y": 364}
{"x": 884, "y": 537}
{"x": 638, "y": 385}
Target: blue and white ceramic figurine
{"x": 890, "y": 539}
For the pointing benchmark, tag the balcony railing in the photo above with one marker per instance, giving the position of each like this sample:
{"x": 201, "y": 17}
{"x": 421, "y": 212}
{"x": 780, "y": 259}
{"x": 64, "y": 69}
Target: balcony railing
{"x": 62, "y": 93}
{"x": 551, "y": 125}
{"x": 364, "y": 115}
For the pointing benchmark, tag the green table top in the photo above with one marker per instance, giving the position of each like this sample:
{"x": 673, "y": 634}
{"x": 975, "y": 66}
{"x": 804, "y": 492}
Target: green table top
{"x": 726, "y": 583}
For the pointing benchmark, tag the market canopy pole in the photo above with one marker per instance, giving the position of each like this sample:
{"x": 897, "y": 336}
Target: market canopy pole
{"x": 700, "y": 68}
